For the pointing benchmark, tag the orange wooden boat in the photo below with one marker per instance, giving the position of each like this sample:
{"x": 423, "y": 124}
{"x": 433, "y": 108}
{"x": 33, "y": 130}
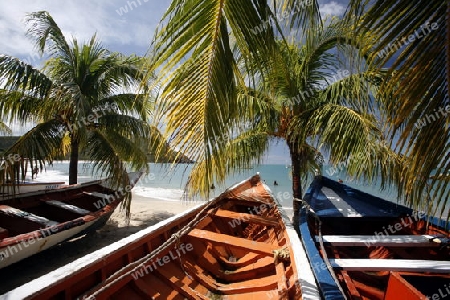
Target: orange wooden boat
{"x": 33, "y": 222}
{"x": 364, "y": 247}
{"x": 239, "y": 245}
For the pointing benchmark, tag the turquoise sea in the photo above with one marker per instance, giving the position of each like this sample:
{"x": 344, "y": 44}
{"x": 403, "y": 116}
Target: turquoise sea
{"x": 167, "y": 183}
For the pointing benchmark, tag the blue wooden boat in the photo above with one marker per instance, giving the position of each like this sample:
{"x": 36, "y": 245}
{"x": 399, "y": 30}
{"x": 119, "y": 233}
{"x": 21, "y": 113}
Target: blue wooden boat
{"x": 364, "y": 247}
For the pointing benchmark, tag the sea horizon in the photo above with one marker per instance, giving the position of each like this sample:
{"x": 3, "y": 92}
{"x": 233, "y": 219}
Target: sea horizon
{"x": 165, "y": 182}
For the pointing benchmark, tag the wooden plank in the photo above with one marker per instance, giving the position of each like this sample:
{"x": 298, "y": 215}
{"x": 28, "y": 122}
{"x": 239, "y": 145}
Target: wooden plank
{"x": 69, "y": 207}
{"x": 375, "y": 240}
{"x": 248, "y": 218}
{"x": 12, "y": 211}
{"x": 242, "y": 261}
{"x": 399, "y": 265}
{"x": 251, "y": 285}
{"x": 231, "y": 241}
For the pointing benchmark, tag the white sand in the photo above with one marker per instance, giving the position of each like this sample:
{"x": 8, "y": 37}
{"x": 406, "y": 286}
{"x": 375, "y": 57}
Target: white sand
{"x": 145, "y": 210}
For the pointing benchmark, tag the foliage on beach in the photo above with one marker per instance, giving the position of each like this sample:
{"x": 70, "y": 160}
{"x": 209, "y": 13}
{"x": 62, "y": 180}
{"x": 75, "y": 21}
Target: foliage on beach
{"x": 226, "y": 101}
{"x": 81, "y": 100}
{"x": 411, "y": 39}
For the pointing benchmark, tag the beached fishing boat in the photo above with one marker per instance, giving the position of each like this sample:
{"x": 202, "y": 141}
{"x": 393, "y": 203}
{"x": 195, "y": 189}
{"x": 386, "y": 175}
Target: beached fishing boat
{"x": 33, "y": 222}
{"x": 8, "y": 190}
{"x": 364, "y": 247}
{"x": 240, "y": 245}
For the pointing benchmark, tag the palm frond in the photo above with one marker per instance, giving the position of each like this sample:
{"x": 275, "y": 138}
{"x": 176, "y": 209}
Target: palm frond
{"x": 356, "y": 138}
{"x": 5, "y": 129}
{"x": 412, "y": 43}
{"x": 39, "y": 146}
{"x": 198, "y": 70}
{"x": 42, "y": 28}
{"x": 19, "y": 76}
{"x": 302, "y": 14}
{"x": 109, "y": 153}
{"x": 17, "y": 106}
{"x": 240, "y": 153}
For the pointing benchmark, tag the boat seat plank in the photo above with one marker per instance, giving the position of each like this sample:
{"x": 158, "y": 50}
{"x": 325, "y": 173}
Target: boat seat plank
{"x": 387, "y": 241}
{"x": 257, "y": 284}
{"x": 12, "y": 211}
{"x": 69, "y": 207}
{"x": 399, "y": 265}
{"x": 240, "y": 262}
{"x": 224, "y": 239}
{"x": 267, "y": 221}
{"x": 232, "y": 288}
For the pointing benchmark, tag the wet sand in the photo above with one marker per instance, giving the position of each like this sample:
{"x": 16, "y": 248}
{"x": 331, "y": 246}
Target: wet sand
{"x": 144, "y": 212}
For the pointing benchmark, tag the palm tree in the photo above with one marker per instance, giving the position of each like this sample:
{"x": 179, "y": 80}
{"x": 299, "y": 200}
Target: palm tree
{"x": 224, "y": 118}
{"x": 315, "y": 107}
{"x": 81, "y": 101}
{"x": 411, "y": 39}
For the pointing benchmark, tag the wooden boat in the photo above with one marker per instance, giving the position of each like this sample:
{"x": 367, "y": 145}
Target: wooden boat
{"x": 33, "y": 222}
{"x": 239, "y": 245}
{"x": 10, "y": 190}
{"x": 364, "y": 247}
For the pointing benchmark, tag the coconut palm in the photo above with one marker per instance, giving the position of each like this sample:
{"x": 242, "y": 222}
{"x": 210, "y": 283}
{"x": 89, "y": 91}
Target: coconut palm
{"x": 316, "y": 108}
{"x": 81, "y": 102}
{"x": 225, "y": 117}
{"x": 412, "y": 41}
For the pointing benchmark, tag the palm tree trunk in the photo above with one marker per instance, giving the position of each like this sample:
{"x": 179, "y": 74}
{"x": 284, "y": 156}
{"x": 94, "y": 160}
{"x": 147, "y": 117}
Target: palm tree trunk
{"x": 73, "y": 164}
{"x": 295, "y": 168}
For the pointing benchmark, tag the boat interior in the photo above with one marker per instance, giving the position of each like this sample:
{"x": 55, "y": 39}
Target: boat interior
{"x": 234, "y": 247}
{"x": 34, "y": 211}
{"x": 376, "y": 249}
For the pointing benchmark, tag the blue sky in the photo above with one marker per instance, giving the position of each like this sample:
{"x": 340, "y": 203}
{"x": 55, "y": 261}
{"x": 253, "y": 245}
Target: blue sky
{"x": 125, "y": 26}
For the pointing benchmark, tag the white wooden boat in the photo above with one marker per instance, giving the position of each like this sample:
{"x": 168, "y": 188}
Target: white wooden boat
{"x": 33, "y": 222}
{"x": 8, "y": 190}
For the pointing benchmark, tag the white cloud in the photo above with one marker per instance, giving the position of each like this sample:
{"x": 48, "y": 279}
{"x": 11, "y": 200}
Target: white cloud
{"x": 81, "y": 19}
{"x": 333, "y": 8}
{"x": 131, "y": 31}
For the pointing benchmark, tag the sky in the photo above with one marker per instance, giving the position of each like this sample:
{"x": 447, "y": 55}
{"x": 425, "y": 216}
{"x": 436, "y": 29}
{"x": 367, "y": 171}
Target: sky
{"x": 125, "y": 26}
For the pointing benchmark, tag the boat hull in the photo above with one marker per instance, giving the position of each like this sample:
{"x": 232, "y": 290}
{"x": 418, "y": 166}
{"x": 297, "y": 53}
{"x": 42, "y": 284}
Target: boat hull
{"x": 9, "y": 190}
{"x": 37, "y": 243}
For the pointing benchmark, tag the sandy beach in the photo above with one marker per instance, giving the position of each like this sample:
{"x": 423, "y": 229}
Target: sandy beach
{"x": 144, "y": 212}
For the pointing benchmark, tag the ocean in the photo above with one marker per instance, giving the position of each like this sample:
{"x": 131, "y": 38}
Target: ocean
{"x": 166, "y": 183}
